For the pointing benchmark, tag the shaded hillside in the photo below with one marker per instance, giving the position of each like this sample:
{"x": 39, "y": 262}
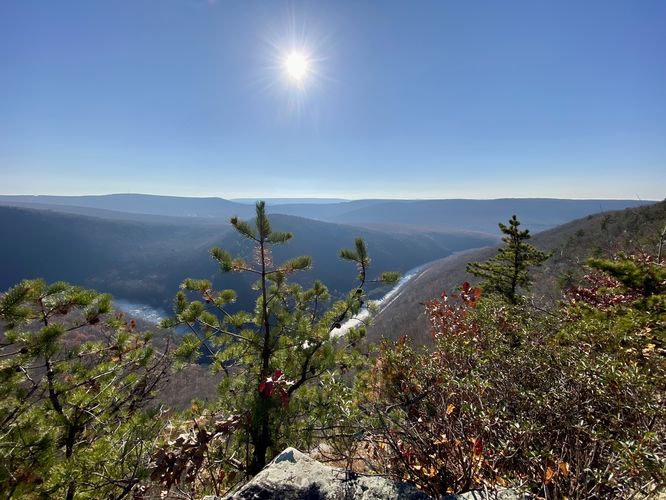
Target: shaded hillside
{"x": 466, "y": 215}
{"x": 143, "y": 204}
{"x": 602, "y": 235}
{"x": 126, "y": 258}
{"x": 145, "y": 262}
{"x": 471, "y": 215}
{"x": 117, "y": 214}
{"x": 322, "y": 241}
{"x": 571, "y": 244}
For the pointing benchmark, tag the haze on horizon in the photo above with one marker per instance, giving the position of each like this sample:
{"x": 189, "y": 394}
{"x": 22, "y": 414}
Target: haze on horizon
{"x": 334, "y": 100}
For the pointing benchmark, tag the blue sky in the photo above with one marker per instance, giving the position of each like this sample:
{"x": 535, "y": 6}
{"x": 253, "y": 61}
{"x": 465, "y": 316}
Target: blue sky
{"x": 412, "y": 99}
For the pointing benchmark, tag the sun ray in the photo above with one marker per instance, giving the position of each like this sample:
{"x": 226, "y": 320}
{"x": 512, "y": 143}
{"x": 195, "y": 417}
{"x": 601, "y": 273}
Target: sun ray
{"x": 296, "y": 63}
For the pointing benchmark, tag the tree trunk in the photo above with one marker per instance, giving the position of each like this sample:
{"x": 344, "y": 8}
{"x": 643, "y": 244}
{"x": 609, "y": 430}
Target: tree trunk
{"x": 261, "y": 436}
{"x": 69, "y": 451}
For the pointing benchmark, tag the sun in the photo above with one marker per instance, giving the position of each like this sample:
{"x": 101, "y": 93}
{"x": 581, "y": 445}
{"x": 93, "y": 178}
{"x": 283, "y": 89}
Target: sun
{"x": 297, "y": 66}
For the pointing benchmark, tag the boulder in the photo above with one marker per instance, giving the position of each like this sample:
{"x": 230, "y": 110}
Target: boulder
{"x": 293, "y": 475}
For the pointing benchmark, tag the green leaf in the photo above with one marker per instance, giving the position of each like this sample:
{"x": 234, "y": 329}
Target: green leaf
{"x": 361, "y": 250}
{"x": 297, "y": 264}
{"x": 277, "y": 237}
{"x": 47, "y": 337}
{"x": 196, "y": 285}
{"x": 57, "y": 287}
{"x": 389, "y": 277}
{"x": 188, "y": 350}
{"x": 223, "y": 258}
{"x": 13, "y": 304}
{"x": 192, "y": 312}
{"x": 262, "y": 223}
{"x": 225, "y": 297}
{"x": 180, "y": 303}
{"x": 208, "y": 319}
{"x": 243, "y": 228}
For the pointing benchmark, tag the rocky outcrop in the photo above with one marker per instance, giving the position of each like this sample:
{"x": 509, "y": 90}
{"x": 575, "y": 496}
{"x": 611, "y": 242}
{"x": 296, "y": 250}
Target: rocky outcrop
{"x": 293, "y": 475}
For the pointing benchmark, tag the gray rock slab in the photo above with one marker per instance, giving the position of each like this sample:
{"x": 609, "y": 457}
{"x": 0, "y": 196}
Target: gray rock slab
{"x": 293, "y": 475}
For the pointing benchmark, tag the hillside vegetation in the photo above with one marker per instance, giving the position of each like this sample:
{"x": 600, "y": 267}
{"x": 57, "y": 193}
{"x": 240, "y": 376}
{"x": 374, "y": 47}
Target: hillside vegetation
{"x": 562, "y": 403}
{"x": 557, "y": 400}
{"x": 145, "y": 260}
{"x": 127, "y": 258}
{"x": 571, "y": 244}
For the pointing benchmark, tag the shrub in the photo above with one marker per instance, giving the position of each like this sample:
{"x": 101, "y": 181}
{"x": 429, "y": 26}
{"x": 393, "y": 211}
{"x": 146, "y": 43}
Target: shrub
{"x": 564, "y": 403}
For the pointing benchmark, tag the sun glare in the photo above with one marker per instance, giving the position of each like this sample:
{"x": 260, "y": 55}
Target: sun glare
{"x": 296, "y": 62}
{"x": 297, "y": 66}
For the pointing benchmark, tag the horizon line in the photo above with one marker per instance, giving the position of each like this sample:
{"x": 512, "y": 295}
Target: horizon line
{"x": 342, "y": 200}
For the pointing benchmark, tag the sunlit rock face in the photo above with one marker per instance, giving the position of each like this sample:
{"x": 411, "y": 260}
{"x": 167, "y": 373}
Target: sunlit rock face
{"x": 292, "y": 475}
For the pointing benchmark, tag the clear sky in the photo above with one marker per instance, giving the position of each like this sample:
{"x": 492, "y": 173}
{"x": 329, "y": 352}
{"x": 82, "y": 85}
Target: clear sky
{"x": 410, "y": 99}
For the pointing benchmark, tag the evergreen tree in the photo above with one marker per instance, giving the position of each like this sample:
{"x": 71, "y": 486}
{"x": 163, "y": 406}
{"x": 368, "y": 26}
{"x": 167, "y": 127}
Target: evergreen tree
{"x": 507, "y": 272}
{"x": 280, "y": 361}
{"x": 71, "y": 418}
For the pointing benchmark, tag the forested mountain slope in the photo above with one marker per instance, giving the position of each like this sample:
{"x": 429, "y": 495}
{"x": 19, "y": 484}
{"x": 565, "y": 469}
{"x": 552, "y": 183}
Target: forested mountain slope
{"x": 118, "y": 214}
{"x": 453, "y": 214}
{"x": 178, "y": 206}
{"x": 599, "y": 235}
{"x": 471, "y": 215}
{"x": 126, "y": 258}
{"x": 145, "y": 261}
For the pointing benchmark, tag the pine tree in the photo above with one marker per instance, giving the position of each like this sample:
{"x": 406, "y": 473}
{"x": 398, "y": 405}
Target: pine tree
{"x": 281, "y": 360}
{"x": 71, "y": 407}
{"x": 507, "y": 272}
